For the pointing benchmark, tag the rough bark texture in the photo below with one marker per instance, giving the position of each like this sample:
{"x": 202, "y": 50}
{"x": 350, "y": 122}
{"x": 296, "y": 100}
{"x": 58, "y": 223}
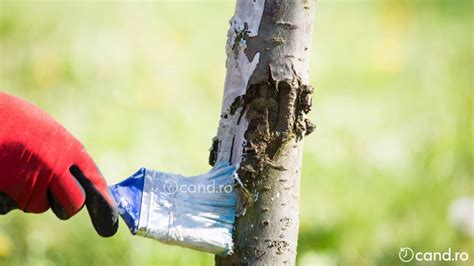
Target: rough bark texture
{"x": 266, "y": 98}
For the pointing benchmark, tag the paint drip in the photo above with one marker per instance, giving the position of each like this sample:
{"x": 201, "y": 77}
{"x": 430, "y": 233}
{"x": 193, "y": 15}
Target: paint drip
{"x": 197, "y": 212}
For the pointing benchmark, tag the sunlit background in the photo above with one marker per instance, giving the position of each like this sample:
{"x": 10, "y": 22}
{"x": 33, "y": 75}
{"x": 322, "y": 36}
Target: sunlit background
{"x": 140, "y": 84}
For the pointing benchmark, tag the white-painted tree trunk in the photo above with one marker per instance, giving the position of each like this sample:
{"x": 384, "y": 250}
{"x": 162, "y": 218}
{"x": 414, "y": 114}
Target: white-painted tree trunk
{"x": 263, "y": 120}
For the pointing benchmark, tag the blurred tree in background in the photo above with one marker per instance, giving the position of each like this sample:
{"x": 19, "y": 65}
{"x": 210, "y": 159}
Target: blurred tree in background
{"x": 393, "y": 105}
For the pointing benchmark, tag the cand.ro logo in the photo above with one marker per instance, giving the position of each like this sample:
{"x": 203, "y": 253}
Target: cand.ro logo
{"x": 170, "y": 187}
{"x": 406, "y": 254}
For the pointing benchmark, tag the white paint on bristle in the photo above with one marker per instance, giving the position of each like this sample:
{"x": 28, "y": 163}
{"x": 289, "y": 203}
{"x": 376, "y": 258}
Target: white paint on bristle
{"x": 195, "y": 212}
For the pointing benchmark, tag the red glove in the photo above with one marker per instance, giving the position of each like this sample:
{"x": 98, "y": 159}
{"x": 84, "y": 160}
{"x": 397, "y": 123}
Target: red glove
{"x": 42, "y": 166}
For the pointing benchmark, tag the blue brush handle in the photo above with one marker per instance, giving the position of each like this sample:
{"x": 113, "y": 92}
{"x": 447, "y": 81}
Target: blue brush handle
{"x": 128, "y": 196}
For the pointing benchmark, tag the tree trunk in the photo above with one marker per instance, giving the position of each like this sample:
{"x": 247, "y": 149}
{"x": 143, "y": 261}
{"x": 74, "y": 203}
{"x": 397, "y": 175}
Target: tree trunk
{"x": 263, "y": 120}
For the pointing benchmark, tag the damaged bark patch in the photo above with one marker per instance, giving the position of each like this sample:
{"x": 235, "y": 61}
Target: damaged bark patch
{"x": 239, "y": 36}
{"x": 303, "y": 125}
{"x": 276, "y": 113}
{"x": 213, "y": 151}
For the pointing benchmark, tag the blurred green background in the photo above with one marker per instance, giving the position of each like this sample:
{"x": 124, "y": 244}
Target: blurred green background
{"x": 141, "y": 85}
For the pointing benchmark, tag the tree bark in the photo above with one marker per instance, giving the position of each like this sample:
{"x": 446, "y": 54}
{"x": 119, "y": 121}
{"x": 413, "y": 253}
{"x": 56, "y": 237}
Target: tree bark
{"x": 263, "y": 120}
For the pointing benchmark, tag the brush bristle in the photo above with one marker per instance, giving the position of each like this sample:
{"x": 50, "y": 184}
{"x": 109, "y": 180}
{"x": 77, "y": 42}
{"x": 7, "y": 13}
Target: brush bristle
{"x": 196, "y": 212}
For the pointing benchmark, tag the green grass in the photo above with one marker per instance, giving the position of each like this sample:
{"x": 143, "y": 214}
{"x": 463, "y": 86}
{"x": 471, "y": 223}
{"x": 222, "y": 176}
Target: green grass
{"x": 140, "y": 84}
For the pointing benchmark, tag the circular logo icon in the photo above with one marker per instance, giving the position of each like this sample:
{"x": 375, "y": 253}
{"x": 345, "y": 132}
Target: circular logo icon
{"x": 170, "y": 187}
{"x": 406, "y": 254}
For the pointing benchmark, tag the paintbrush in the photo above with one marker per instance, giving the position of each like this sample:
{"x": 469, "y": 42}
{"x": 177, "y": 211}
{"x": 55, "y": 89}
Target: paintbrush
{"x": 196, "y": 212}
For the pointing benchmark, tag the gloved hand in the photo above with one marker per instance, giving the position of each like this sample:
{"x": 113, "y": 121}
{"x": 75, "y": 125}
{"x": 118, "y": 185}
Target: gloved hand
{"x": 42, "y": 166}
